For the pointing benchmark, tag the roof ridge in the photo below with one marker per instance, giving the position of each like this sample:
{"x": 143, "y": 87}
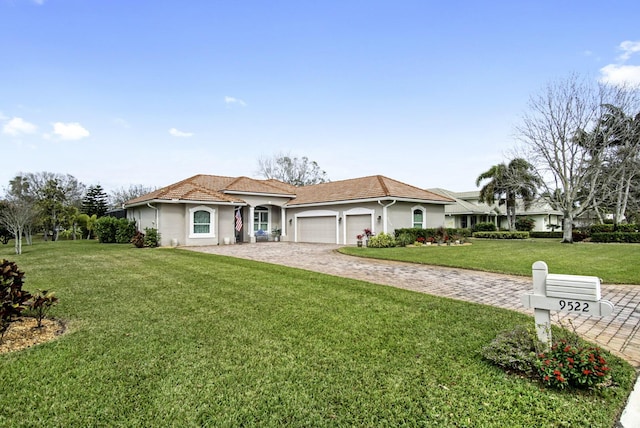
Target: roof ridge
{"x": 385, "y": 189}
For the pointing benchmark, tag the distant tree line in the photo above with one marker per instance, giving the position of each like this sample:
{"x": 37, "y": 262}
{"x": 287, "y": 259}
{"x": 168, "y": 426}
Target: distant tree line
{"x": 52, "y": 204}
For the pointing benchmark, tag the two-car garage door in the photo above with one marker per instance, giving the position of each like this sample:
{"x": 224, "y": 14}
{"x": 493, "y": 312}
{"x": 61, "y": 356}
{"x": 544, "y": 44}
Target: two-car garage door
{"x": 321, "y": 229}
{"x": 324, "y": 227}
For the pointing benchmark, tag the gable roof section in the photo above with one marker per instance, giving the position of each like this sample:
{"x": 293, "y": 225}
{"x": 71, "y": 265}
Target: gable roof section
{"x": 365, "y": 188}
{"x": 461, "y": 206}
{"x": 213, "y": 188}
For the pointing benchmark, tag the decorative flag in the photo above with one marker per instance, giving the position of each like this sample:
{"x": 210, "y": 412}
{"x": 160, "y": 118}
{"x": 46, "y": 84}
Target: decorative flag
{"x": 238, "y": 221}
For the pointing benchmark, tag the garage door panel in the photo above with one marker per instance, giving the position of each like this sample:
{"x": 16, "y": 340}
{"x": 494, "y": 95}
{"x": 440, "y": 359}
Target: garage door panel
{"x": 317, "y": 229}
{"x": 356, "y": 224}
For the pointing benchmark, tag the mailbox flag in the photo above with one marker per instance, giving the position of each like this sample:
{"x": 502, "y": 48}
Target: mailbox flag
{"x": 238, "y": 221}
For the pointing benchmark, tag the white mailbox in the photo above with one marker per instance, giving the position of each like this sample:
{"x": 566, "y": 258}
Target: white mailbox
{"x": 573, "y": 287}
{"x": 577, "y": 294}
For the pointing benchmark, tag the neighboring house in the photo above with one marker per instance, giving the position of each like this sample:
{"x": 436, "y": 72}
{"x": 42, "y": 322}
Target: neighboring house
{"x": 211, "y": 210}
{"x": 467, "y": 211}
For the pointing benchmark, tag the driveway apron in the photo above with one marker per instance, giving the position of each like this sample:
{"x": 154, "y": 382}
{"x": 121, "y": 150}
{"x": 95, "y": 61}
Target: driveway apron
{"x": 618, "y": 332}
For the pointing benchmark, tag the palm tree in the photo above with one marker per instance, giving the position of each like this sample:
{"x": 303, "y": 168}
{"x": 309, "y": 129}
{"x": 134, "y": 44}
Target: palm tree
{"x": 507, "y": 183}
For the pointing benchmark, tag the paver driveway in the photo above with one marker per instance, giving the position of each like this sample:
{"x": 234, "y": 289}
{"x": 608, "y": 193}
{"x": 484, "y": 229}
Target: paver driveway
{"x": 618, "y": 332}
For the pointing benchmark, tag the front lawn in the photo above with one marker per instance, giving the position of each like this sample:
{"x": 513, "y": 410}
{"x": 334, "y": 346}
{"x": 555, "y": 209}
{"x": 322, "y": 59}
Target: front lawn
{"x": 614, "y": 263}
{"x": 165, "y": 337}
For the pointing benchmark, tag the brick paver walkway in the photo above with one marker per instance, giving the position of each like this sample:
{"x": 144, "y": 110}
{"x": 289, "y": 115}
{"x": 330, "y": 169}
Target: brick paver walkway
{"x": 618, "y": 332}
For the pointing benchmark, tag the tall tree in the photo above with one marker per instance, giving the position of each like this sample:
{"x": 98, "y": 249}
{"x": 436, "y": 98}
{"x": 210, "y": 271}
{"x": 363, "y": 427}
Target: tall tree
{"x": 507, "y": 184}
{"x": 95, "y": 201}
{"x": 620, "y": 140}
{"x": 561, "y": 135}
{"x": 292, "y": 170}
{"x": 119, "y": 196}
{"x": 15, "y": 215}
{"x": 50, "y": 192}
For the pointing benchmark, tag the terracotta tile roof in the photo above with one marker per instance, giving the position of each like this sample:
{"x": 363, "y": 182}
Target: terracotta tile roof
{"x": 376, "y": 186}
{"x": 251, "y": 185}
{"x": 214, "y": 188}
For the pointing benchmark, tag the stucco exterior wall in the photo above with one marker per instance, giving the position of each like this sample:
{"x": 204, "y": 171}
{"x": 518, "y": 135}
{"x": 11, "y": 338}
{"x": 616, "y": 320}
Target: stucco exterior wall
{"x": 399, "y": 215}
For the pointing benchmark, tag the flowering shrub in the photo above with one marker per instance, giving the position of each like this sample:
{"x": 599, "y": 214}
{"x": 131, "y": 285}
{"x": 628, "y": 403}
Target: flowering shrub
{"x": 568, "y": 365}
{"x": 382, "y": 240}
{"x": 420, "y": 239}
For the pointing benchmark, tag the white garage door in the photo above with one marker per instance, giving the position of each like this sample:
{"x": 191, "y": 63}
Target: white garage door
{"x": 356, "y": 224}
{"x": 317, "y": 229}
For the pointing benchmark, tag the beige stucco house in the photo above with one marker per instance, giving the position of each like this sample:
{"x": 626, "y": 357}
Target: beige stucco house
{"x": 213, "y": 210}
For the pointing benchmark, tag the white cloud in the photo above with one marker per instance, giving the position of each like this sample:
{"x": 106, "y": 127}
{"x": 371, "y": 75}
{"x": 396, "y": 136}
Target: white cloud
{"x": 621, "y": 74}
{"x": 17, "y": 126}
{"x": 70, "y": 131}
{"x": 176, "y": 133}
{"x": 628, "y": 48}
{"x": 234, "y": 101}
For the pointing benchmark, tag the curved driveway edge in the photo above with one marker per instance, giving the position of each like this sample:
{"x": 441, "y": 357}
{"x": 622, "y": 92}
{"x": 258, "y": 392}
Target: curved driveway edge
{"x": 618, "y": 333}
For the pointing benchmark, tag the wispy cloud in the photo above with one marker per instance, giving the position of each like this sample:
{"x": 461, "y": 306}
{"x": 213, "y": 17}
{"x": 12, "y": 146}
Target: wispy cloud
{"x": 177, "y": 133}
{"x": 18, "y": 126}
{"x": 622, "y": 73}
{"x": 234, "y": 101}
{"x": 69, "y": 131}
{"x": 628, "y": 48}
{"x": 39, "y": 2}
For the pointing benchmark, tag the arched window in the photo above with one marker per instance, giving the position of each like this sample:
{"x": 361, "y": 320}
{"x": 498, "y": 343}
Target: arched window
{"x": 418, "y": 217}
{"x": 201, "y": 221}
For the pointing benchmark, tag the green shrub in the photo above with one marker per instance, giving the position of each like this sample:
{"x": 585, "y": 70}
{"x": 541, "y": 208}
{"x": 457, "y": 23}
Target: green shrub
{"x": 404, "y": 238}
{"x": 105, "y": 229}
{"x": 381, "y": 240}
{"x": 151, "y": 237}
{"x": 600, "y": 228}
{"x": 125, "y": 231}
{"x": 627, "y": 227}
{"x": 112, "y": 230}
{"x": 555, "y": 235}
{"x": 514, "y": 350}
{"x": 13, "y": 299}
{"x": 501, "y": 235}
{"x": 484, "y": 227}
{"x": 525, "y": 224}
{"x": 435, "y": 234}
{"x": 622, "y": 237}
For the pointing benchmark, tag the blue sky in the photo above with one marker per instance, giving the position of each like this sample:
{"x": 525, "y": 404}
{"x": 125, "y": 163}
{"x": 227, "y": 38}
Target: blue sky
{"x": 151, "y": 92}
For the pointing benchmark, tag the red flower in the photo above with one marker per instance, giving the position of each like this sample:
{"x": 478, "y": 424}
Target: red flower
{"x": 586, "y": 372}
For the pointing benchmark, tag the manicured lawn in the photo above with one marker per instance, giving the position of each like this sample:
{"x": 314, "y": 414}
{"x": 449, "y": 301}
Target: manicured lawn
{"x": 166, "y": 337}
{"x": 614, "y": 263}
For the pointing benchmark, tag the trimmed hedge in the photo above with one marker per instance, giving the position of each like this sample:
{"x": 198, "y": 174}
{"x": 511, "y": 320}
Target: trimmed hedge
{"x": 111, "y": 230}
{"x": 501, "y": 235}
{"x": 624, "y": 237}
{"x": 415, "y": 232}
{"x": 555, "y": 235}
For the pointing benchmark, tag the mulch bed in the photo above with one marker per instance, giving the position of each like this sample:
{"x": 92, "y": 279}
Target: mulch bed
{"x": 23, "y": 333}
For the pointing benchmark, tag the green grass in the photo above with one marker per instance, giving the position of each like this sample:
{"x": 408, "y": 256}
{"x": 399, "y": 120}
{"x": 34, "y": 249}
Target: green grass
{"x": 614, "y": 263}
{"x": 165, "y": 337}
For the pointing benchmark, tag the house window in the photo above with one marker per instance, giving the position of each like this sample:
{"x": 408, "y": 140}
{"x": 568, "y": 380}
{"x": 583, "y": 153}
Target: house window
{"x": 201, "y": 221}
{"x": 261, "y": 219}
{"x": 418, "y": 218}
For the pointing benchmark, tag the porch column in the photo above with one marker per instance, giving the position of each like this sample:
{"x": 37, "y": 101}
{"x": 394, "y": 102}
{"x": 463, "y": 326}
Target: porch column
{"x": 283, "y": 221}
{"x": 252, "y": 237}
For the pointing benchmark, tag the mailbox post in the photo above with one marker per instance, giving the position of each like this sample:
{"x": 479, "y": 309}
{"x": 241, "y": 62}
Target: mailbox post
{"x": 567, "y": 293}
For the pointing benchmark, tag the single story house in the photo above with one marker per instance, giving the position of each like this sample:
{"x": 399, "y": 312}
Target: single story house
{"x": 213, "y": 210}
{"x": 467, "y": 211}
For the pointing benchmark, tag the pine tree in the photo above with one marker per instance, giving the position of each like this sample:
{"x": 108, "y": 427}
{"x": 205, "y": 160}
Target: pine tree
{"x": 95, "y": 201}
